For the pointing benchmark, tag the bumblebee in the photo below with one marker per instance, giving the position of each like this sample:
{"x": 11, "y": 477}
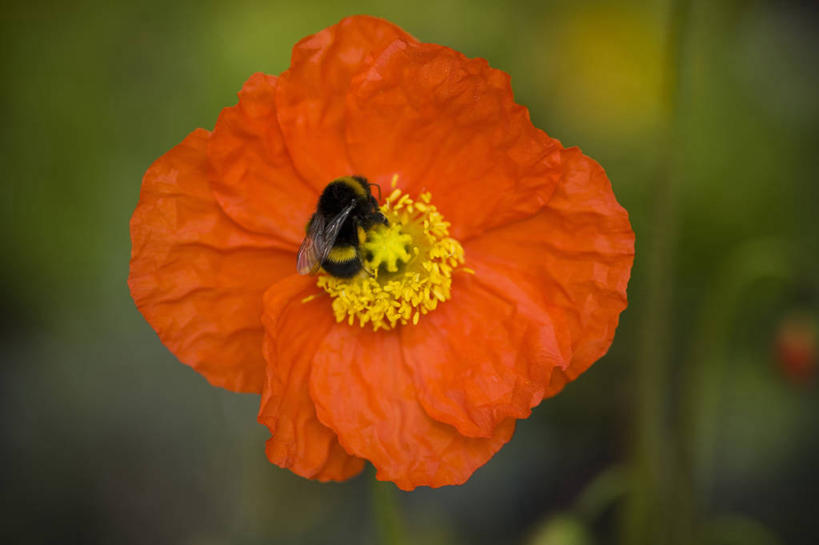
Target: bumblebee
{"x": 346, "y": 210}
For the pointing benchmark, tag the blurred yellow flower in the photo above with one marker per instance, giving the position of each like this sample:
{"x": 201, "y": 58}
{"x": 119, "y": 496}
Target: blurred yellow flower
{"x": 605, "y": 73}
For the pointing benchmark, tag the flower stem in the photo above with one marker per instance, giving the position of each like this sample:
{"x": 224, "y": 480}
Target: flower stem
{"x": 647, "y": 513}
{"x": 387, "y": 514}
{"x": 704, "y": 374}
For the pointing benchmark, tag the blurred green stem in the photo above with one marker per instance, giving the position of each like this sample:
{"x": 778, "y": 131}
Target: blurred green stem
{"x": 387, "y": 514}
{"x": 703, "y": 376}
{"x": 646, "y": 517}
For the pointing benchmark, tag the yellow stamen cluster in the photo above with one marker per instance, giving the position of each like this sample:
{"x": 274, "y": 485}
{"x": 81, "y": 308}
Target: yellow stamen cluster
{"x": 408, "y": 267}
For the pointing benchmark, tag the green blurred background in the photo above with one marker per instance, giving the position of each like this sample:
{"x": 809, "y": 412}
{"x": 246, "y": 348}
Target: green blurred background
{"x": 699, "y": 426}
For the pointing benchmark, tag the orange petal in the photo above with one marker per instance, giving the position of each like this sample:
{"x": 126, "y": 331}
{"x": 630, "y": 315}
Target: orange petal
{"x": 196, "y": 276}
{"x": 449, "y": 124}
{"x": 479, "y": 359}
{"x": 571, "y": 263}
{"x": 311, "y": 103}
{"x": 294, "y": 329}
{"x": 255, "y": 182}
{"x": 365, "y": 392}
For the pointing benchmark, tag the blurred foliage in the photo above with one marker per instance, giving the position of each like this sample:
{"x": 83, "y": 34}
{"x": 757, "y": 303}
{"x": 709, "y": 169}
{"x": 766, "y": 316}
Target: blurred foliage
{"x": 562, "y": 530}
{"x": 107, "y": 439}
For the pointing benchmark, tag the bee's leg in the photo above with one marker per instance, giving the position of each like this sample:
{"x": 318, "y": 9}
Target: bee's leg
{"x": 362, "y": 236}
{"x": 364, "y": 265}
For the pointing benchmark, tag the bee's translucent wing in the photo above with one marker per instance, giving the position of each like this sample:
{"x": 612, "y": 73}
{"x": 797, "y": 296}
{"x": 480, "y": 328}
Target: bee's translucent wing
{"x": 308, "y": 261}
{"x": 319, "y": 241}
{"x": 332, "y": 229}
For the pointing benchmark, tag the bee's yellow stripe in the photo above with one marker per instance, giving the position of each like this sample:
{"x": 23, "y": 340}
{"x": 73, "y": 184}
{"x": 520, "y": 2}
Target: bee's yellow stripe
{"x": 342, "y": 253}
{"x": 354, "y": 185}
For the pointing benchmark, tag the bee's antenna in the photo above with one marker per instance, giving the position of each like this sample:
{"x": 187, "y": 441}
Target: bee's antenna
{"x": 379, "y": 190}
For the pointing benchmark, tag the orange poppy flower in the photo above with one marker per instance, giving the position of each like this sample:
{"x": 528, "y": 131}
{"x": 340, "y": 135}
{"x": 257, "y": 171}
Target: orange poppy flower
{"x": 503, "y": 269}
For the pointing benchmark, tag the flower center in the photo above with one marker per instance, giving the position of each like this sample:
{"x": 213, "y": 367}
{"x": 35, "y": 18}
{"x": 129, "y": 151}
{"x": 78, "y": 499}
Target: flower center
{"x": 408, "y": 266}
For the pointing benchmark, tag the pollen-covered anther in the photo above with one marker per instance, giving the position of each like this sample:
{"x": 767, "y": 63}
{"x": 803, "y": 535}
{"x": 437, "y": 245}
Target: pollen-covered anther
{"x": 408, "y": 266}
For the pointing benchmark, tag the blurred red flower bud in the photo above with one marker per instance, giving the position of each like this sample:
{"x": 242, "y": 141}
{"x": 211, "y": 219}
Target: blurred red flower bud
{"x": 796, "y": 347}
